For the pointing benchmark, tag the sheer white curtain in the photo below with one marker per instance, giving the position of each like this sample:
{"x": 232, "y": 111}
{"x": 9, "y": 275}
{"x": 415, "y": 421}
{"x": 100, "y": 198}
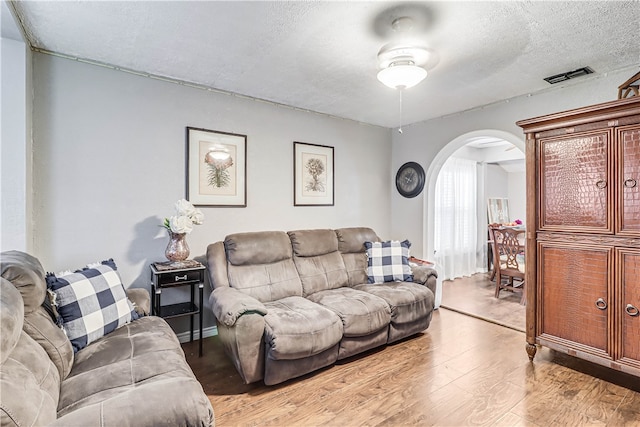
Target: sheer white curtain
{"x": 456, "y": 222}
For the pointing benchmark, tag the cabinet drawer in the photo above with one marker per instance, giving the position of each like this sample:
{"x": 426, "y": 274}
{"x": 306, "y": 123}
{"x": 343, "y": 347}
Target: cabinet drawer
{"x": 173, "y": 278}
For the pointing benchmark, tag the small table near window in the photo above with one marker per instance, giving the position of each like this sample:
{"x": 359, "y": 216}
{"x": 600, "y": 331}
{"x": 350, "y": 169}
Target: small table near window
{"x": 165, "y": 275}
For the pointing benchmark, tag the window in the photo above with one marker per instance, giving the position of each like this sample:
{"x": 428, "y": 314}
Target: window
{"x": 455, "y": 221}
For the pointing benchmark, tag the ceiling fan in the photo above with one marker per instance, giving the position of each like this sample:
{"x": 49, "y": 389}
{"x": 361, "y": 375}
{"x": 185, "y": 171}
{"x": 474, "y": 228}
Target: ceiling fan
{"x": 403, "y": 62}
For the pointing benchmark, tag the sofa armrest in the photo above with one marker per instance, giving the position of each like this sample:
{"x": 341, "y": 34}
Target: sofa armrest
{"x": 426, "y": 276}
{"x": 229, "y": 304}
{"x": 141, "y": 300}
{"x": 217, "y": 265}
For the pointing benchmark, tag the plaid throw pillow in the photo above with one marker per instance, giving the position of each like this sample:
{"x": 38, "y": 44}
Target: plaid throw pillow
{"x": 92, "y": 303}
{"x": 388, "y": 261}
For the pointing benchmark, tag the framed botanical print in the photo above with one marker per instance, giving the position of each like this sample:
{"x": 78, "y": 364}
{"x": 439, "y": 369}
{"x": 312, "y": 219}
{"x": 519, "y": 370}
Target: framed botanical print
{"x": 216, "y": 168}
{"x": 313, "y": 175}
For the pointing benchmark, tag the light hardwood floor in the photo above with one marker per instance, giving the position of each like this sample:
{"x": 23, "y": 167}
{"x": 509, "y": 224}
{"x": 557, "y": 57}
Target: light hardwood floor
{"x": 460, "y": 371}
{"x": 475, "y": 295}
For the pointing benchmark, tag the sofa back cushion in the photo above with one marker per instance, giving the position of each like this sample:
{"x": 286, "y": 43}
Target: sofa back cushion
{"x": 260, "y": 264}
{"x": 319, "y": 264}
{"x": 255, "y": 248}
{"x": 11, "y": 318}
{"x": 27, "y": 275}
{"x": 29, "y": 381}
{"x": 52, "y": 339}
{"x": 353, "y": 251}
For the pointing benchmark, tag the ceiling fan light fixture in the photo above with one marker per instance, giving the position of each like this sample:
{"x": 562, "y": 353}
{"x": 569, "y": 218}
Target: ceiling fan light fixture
{"x": 402, "y": 75}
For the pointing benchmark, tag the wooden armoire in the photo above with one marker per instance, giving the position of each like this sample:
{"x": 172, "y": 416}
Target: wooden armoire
{"x": 583, "y": 233}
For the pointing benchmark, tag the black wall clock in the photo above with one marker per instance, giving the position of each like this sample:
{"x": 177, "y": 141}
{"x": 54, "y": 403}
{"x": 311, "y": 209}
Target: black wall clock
{"x": 410, "y": 179}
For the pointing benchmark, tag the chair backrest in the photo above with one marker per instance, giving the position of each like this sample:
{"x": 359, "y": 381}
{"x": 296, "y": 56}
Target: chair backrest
{"x": 508, "y": 249}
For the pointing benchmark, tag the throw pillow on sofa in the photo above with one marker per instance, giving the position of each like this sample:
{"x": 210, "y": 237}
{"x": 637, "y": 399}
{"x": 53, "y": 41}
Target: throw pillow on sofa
{"x": 92, "y": 302}
{"x": 388, "y": 261}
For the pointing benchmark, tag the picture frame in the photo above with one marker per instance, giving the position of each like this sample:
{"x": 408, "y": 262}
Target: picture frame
{"x": 498, "y": 210}
{"x": 216, "y": 164}
{"x": 313, "y": 175}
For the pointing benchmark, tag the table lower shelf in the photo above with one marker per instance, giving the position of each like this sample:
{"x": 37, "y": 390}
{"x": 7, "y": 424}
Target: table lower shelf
{"x": 175, "y": 310}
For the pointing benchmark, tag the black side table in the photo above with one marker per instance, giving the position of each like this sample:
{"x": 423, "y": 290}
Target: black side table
{"x": 170, "y": 275}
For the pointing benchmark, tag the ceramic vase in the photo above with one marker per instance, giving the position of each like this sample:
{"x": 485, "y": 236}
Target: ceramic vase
{"x": 177, "y": 249}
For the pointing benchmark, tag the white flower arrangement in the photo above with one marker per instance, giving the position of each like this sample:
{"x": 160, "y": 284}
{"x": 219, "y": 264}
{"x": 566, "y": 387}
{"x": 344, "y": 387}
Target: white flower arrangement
{"x": 186, "y": 217}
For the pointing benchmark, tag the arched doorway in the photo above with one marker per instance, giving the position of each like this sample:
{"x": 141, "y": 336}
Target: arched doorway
{"x": 432, "y": 176}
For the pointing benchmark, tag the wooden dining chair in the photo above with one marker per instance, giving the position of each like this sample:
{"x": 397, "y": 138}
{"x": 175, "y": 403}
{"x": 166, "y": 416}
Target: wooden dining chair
{"x": 508, "y": 260}
{"x": 490, "y": 269}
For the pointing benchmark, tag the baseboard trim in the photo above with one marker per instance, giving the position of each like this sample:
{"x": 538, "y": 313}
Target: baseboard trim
{"x": 206, "y": 332}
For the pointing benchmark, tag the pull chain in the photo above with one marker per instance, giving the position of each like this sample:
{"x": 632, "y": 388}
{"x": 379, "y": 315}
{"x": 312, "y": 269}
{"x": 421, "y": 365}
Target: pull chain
{"x": 400, "y": 127}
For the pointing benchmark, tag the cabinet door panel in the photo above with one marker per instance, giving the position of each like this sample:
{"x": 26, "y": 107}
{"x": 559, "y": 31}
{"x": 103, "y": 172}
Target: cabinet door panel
{"x": 629, "y": 180}
{"x": 572, "y": 281}
{"x": 629, "y": 296}
{"x": 574, "y": 184}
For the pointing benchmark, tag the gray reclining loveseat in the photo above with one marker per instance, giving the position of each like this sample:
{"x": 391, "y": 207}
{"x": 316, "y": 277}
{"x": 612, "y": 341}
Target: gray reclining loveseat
{"x": 289, "y": 303}
{"x": 136, "y": 375}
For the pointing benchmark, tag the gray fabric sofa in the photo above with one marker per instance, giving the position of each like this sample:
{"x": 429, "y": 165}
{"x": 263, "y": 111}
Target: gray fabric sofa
{"x": 287, "y": 304}
{"x": 135, "y": 376}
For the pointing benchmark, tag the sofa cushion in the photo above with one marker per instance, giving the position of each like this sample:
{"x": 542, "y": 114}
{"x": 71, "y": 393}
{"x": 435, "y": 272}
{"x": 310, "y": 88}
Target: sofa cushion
{"x": 361, "y": 313}
{"x": 266, "y": 282}
{"x": 296, "y": 328}
{"x": 260, "y": 264}
{"x": 260, "y": 247}
{"x": 306, "y": 243}
{"x": 11, "y": 318}
{"x": 39, "y": 326}
{"x": 29, "y": 381}
{"x": 351, "y": 240}
{"x": 317, "y": 260}
{"x": 92, "y": 303}
{"x": 115, "y": 378}
{"x": 408, "y": 301}
{"x": 388, "y": 261}
{"x": 27, "y": 275}
{"x": 322, "y": 272}
{"x": 351, "y": 246}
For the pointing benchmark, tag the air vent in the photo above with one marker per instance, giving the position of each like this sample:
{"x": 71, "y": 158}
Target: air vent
{"x": 569, "y": 75}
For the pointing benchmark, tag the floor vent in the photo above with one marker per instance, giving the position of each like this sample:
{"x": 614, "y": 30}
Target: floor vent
{"x": 568, "y": 75}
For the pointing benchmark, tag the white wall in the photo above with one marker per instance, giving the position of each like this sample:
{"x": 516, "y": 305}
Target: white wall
{"x": 509, "y": 185}
{"x": 109, "y": 164}
{"x": 517, "y": 195}
{"x": 15, "y": 142}
{"x": 421, "y": 142}
{"x": 495, "y": 184}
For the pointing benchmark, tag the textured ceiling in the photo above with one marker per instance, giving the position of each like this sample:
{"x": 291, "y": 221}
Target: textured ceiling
{"x": 321, "y": 56}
